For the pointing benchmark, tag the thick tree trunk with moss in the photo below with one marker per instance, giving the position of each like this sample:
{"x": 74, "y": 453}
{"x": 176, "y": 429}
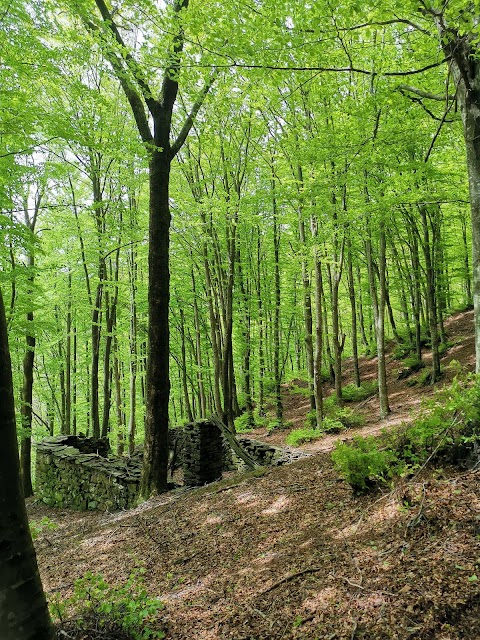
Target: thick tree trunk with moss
{"x": 155, "y": 464}
{"x": 23, "y": 608}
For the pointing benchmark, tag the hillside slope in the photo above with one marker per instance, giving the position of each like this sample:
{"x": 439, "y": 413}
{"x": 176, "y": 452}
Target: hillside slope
{"x": 293, "y": 553}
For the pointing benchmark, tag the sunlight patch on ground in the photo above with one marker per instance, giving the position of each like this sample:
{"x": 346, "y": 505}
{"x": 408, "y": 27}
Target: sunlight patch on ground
{"x": 321, "y": 600}
{"x": 265, "y": 558}
{"x": 371, "y": 601}
{"x": 213, "y": 519}
{"x": 388, "y": 511}
{"x": 188, "y": 591}
{"x": 248, "y": 497}
{"x": 100, "y": 543}
{"x": 279, "y": 505}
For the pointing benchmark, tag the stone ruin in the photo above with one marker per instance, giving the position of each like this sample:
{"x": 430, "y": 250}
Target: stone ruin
{"x": 72, "y": 471}
{"x": 77, "y": 472}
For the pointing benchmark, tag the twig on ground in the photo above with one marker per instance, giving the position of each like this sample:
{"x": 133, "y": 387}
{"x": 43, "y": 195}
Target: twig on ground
{"x": 292, "y": 576}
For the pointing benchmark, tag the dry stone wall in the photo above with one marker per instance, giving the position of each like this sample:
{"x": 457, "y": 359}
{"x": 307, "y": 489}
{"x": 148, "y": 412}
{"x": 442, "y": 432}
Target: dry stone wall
{"x": 70, "y": 472}
{"x": 76, "y": 472}
{"x": 202, "y": 453}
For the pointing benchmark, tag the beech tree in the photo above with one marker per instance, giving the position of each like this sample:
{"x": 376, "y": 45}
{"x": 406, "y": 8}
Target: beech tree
{"x": 23, "y": 608}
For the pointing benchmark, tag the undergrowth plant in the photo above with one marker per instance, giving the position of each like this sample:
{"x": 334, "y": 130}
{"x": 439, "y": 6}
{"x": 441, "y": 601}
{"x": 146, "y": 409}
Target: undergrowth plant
{"x": 245, "y": 422}
{"x": 37, "y": 526}
{"x": 300, "y": 436}
{"x": 448, "y": 428}
{"x": 362, "y": 463}
{"x": 127, "y": 611}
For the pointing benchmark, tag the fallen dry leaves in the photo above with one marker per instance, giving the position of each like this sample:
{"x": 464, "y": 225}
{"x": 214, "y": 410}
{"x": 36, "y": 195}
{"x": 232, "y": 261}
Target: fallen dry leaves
{"x": 292, "y": 554}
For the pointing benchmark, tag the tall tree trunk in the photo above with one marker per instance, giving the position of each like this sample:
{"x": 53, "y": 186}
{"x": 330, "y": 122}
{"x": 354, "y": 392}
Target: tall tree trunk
{"x": 378, "y": 304}
{"x": 198, "y": 353}
{"x": 68, "y": 359}
{"x": 23, "y": 610}
{"x": 183, "y": 367}
{"x": 26, "y": 408}
{"x": 27, "y": 395}
{"x": 261, "y": 346}
{"x": 318, "y": 359}
{"x": 462, "y": 52}
{"x": 353, "y": 307}
{"x": 155, "y": 461}
{"x": 431, "y": 294}
{"x": 276, "y": 322}
{"x": 111, "y": 320}
{"x": 307, "y": 297}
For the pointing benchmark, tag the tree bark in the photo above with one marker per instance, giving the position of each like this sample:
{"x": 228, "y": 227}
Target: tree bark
{"x": 23, "y": 610}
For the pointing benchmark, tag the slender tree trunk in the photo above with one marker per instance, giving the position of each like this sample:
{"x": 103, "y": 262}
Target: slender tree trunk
{"x": 118, "y": 403}
{"x": 307, "y": 298}
{"x": 261, "y": 348}
{"x": 353, "y": 307}
{"x": 276, "y": 322}
{"x": 431, "y": 297}
{"x": 26, "y": 408}
{"x": 27, "y": 394}
{"x": 111, "y": 320}
{"x": 318, "y": 359}
{"x": 74, "y": 385}
{"x": 378, "y": 304}
{"x": 68, "y": 360}
{"x": 198, "y": 353}
{"x": 183, "y": 368}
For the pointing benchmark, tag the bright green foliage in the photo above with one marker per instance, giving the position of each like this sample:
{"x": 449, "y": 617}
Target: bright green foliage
{"x": 449, "y": 421}
{"x": 245, "y": 423}
{"x": 352, "y": 393}
{"x": 449, "y": 425}
{"x": 413, "y": 363}
{"x": 300, "y": 436}
{"x": 95, "y": 604}
{"x": 362, "y": 462}
{"x": 36, "y": 527}
{"x": 348, "y": 417}
{"x": 331, "y": 425}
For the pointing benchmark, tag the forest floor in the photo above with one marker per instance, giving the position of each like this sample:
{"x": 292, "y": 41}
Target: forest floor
{"x": 292, "y": 553}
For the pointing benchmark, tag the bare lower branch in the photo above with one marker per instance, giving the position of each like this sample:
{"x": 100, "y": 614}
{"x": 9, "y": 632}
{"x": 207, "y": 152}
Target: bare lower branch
{"x": 425, "y": 94}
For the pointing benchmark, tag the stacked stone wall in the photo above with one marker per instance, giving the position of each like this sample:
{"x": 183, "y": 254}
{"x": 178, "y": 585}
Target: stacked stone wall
{"x": 70, "y": 473}
{"x": 202, "y": 453}
{"x": 75, "y": 472}
{"x": 266, "y": 454}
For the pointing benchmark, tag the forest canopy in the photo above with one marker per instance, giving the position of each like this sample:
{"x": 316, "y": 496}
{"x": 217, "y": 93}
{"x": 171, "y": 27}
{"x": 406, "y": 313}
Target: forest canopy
{"x": 202, "y": 201}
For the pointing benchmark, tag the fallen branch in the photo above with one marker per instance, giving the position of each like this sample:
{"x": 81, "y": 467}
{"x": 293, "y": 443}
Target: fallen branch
{"x": 292, "y": 576}
{"x": 233, "y": 442}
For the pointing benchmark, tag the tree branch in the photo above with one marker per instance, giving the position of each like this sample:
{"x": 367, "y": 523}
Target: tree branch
{"x": 185, "y": 130}
{"x": 170, "y": 79}
{"x": 131, "y": 94}
{"x": 425, "y": 94}
{"x": 366, "y": 72}
{"x": 129, "y": 59}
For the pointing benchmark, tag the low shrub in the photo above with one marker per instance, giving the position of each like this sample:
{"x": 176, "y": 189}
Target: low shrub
{"x": 331, "y": 425}
{"x": 448, "y": 430}
{"x": 37, "y": 526}
{"x": 348, "y": 417}
{"x": 98, "y": 609}
{"x": 362, "y": 463}
{"x": 300, "y": 436}
{"x": 352, "y": 393}
{"x": 443, "y": 347}
{"x": 311, "y": 419}
{"x": 278, "y": 425}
